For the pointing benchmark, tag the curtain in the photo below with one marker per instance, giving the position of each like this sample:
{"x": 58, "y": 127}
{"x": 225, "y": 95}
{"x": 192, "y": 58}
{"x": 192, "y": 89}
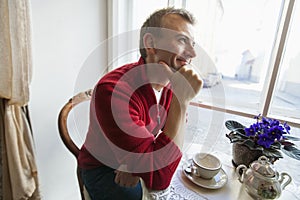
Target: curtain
{"x": 19, "y": 179}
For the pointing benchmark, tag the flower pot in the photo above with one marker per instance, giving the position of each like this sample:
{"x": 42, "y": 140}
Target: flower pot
{"x": 241, "y": 154}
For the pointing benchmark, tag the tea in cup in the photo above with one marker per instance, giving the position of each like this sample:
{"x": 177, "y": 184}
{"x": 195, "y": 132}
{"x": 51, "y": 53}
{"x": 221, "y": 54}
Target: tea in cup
{"x": 205, "y": 165}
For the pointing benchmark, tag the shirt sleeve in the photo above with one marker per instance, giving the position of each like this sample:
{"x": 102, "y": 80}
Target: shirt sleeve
{"x": 122, "y": 119}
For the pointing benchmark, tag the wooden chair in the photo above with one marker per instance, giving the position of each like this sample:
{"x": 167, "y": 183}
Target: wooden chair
{"x": 64, "y": 132}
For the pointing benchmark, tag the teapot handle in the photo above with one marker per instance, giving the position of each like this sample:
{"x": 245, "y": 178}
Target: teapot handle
{"x": 282, "y": 177}
{"x": 237, "y": 171}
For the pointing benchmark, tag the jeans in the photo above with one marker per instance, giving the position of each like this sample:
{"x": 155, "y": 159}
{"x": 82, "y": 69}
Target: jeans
{"x": 100, "y": 184}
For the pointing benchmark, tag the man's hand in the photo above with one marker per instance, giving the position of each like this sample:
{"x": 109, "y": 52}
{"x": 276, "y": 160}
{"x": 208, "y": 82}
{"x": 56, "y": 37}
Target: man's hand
{"x": 126, "y": 179}
{"x": 186, "y": 83}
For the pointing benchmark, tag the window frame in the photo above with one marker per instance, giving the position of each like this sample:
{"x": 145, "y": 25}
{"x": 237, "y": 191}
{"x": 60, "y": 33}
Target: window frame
{"x": 273, "y": 68}
{"x": 117, "y": 11}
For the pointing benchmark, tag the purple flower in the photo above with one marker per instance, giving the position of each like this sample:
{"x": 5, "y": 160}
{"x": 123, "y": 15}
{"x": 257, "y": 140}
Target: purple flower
{"x": 265, "y": 134}
{"x": 266, "y": 121}
{"x": 287, "y": 127}
{"x": 251, "y": 131}
{"x": 275, "y": 132}
{"x": 257, "y": 117}
{"x": 266, "y": 131}
{"x": 265, "y": 141}
{"x": 274, "y": 122}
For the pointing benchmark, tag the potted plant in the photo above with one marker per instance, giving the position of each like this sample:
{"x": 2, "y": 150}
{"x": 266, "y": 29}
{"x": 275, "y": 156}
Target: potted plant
{"x": 266, "y": 136}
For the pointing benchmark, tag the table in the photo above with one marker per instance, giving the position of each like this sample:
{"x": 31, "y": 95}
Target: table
{"x": 182, "y": 188}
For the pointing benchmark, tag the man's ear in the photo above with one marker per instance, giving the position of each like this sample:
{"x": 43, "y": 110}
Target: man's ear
{"x": 149, "y": 43}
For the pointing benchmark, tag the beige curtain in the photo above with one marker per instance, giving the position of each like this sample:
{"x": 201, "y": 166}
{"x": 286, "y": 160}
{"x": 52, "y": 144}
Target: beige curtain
{"x": 18, "y": 166}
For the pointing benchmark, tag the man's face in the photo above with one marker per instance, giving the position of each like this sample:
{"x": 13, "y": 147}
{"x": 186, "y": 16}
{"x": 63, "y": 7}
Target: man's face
{"x": 175, "y": 45}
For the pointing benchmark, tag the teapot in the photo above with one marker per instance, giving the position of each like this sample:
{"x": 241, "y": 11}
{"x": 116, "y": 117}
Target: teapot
{"x": 261, "y": 180}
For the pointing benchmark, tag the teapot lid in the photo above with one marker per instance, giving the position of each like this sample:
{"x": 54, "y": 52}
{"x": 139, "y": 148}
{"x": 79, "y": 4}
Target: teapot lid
{"x": 263, "y": 167}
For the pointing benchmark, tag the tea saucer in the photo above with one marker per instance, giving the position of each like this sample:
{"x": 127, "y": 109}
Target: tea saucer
{"x": 216, "y": 182}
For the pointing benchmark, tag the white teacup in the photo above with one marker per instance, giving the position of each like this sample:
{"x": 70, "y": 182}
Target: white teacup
{"x": 205, "y": 165}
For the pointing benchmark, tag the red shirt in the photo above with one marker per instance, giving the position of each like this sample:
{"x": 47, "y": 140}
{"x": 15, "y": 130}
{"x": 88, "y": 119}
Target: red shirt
{"x": 125, "y": 124}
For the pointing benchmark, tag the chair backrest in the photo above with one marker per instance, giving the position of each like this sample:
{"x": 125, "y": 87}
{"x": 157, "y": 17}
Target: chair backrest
{"x": 64, "y": 132}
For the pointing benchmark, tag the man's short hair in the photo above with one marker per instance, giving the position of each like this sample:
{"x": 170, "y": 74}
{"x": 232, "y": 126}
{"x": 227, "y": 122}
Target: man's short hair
{"x": 154, "y": 22}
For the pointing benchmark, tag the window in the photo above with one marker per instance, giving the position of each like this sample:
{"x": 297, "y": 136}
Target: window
{"x": 125, "y": 20}
{"x": 286, "y": 101}
{"x": 243, "y": 39}
{"x": 250, "y": 47}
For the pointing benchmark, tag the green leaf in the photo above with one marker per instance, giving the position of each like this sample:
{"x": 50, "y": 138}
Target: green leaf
{"x": 233, "y": 125}
{"x": 233, "y": 140}
{"x": 233, "y": 137}
{"x": 291, "y": 138}
{"x": 291, "y": 151}
{"x": 276, "y": 145}
{"x": 272, "y": 153}
{"x": 236, "y": 137}
{"x": 241, "y": 132}
{"x": 286, "y": 143}
{"x": 251, "y": 144}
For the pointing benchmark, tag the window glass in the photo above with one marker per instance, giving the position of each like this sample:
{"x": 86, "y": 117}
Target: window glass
{"x": 238, "y": 36}
{"x": 286, "y": 101}
{"x": 134, "y": 13}
{"x": 143, "y": 9}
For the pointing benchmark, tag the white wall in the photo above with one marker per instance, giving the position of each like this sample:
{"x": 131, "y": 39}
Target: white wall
{"x": 65, "y": 32}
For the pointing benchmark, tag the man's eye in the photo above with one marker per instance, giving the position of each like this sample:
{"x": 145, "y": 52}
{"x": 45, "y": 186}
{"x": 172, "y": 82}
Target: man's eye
{"x": 183, "y": 40}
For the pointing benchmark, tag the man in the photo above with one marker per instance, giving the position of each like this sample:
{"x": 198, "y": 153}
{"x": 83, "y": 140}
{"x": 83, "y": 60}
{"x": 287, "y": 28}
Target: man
{"x": 138, "y": 111}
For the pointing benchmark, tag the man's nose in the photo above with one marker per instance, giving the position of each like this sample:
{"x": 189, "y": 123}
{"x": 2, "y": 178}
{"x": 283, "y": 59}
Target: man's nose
{"x": 190, "y": 51}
